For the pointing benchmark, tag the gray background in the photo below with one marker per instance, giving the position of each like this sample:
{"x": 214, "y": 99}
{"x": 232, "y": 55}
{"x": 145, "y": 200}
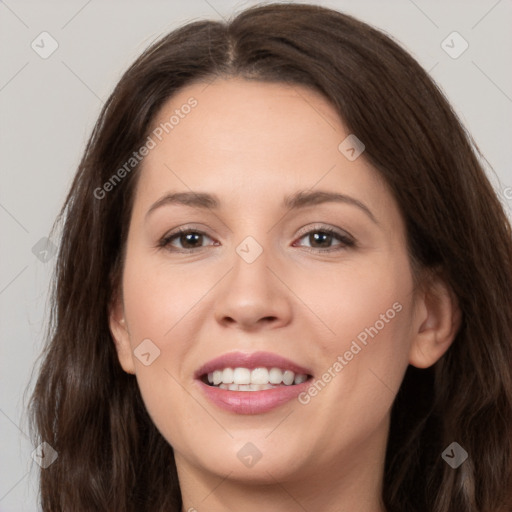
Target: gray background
{"x": 48, "y": 108}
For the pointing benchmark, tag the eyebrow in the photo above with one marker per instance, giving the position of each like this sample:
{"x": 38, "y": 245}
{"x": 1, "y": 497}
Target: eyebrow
{"x": 300, "y": 199}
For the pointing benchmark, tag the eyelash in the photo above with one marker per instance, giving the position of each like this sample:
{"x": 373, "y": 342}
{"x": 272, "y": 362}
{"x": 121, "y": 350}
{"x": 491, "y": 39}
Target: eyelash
{"x": 346, "y": 240}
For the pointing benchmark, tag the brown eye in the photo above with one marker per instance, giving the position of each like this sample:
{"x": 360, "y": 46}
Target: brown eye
{"x": 188, "y": 240}
{"x": 321, "y": 239}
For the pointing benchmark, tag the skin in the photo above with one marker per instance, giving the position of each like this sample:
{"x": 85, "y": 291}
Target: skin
{"x": 251, "y": 144}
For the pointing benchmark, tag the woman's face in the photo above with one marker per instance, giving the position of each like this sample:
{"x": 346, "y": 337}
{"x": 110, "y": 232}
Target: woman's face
{"x": 260, "y": 272}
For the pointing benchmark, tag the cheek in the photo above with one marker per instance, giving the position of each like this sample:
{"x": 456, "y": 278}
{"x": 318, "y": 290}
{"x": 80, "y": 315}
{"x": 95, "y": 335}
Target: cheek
{"x": 159, "y": 306}
{"x": 368, "y": 311}
{"x": 363, "y": 304}
{"x": 365, "y": 360}
{"x": 162, "y": 299}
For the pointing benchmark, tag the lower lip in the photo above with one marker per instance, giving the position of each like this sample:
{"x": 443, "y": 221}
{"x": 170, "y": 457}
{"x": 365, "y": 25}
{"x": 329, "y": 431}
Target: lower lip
{"x": 252, "y": 402}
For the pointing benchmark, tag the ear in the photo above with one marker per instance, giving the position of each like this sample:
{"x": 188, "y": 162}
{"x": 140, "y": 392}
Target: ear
{"x": 121, "y": 336}
{"x": 436, "y": 322}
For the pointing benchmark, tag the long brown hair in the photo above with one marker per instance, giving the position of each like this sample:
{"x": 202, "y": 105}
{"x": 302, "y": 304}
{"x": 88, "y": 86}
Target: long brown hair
{"x": 111, "y": 457}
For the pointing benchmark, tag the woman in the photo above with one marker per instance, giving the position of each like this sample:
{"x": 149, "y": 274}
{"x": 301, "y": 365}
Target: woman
{"x": 283, "y": 284}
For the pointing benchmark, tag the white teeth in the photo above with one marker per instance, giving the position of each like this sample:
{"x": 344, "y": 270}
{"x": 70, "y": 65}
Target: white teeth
{"x": 241, "y": 376}
{"x": 259, "y": 376}
{"x": 300, "y": 378}
{"x": 275, "y": 376}
{"x": 288, "y": 377}
{"x": 227, "y": 376}
{"x": 244, "y": 379}
{"x": 246, "y": 387}
{"x": 217, "y": 377}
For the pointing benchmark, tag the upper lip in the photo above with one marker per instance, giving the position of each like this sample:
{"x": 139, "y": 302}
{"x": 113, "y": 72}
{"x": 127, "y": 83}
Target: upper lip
{"x": 250, "y": 361}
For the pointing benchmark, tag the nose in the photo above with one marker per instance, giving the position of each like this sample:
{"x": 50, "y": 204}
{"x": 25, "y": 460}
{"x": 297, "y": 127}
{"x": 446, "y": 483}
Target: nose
{"x": 254, "y": 296}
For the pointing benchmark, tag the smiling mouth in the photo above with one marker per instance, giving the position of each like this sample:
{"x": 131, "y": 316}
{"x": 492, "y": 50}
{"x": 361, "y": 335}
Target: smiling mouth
{"x": 256, "y": 379}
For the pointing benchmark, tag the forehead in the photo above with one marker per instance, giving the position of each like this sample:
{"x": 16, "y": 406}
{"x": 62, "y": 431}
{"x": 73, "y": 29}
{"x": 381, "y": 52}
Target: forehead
{"x": 250, "y": 139}
{"x": 260, "y": 118}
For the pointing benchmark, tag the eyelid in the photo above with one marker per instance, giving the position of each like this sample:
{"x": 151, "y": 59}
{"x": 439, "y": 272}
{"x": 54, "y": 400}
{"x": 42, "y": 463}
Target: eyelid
{"x": 324, "y": 228}
{"x": 345, "y": 238}
{"x": 166, "y": 239}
